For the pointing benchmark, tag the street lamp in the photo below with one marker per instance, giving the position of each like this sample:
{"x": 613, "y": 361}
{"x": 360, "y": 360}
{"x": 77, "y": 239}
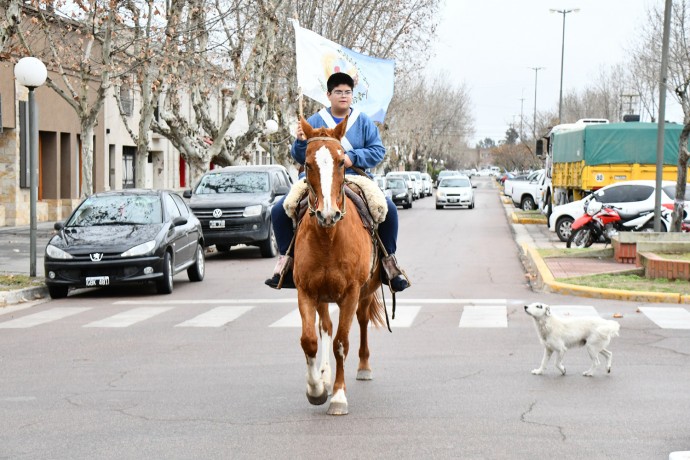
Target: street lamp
{"x": 271, "y": 127}
{"x": 534, "y": 120}
{"x": 32, "y": 73}
{"x": 560, "y": 97}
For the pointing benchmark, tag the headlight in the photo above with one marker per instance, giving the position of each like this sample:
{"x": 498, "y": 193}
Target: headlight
{"x": 57, "y": 253}
{"x": 139, "y": 250}
{"x": 594, "y": 207}
{"x": 440, "y": 194}
{"x": 251, "y": 211}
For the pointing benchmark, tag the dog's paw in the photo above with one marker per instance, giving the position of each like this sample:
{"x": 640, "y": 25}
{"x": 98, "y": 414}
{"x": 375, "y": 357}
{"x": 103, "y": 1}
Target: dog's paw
{"x": 537, "y": 371}
{"x": 587, "y": 374}
{"x": 562, "y": 369}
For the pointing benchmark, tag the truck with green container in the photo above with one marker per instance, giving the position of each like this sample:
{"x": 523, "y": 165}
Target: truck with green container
{"x": 584, "y": 156}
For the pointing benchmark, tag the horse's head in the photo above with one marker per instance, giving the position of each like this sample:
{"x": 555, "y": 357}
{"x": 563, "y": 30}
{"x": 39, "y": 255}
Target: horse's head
{"x": 325, "y": 171}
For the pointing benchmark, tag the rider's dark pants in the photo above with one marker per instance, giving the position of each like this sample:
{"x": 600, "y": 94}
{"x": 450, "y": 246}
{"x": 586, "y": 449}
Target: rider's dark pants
{"x": 282, "y": 226}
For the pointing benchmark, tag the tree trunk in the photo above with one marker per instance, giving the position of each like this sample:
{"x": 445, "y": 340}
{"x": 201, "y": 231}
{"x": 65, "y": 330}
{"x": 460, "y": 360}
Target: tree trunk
{"x": 142, "y": 159}
{"x": 197, "y": 167}
{"x": 86, "y": 159}
{"x": 678, "y": 206}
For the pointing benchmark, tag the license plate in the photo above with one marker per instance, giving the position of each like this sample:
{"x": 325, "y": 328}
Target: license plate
{"x": 97, "y": 280}
{"x": 216, "y": 224}
{"x": 453, "y": 200}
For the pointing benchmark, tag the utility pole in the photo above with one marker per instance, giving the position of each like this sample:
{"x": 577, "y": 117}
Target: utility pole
{"x": 522, "y": 103}
{"x": 534, "y": 120}
{"x": 560, "y": 97}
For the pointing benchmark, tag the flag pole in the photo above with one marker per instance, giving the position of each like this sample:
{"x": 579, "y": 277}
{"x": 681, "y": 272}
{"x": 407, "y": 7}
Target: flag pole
{"x": 300, "y": 98}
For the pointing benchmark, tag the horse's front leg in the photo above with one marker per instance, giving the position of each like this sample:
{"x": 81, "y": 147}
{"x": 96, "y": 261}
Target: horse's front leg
{"x": 326, "y": 332}
{"x": 341, "y": 345}
{"x": 364, "y": 369}
{"x": 317, "y": 393}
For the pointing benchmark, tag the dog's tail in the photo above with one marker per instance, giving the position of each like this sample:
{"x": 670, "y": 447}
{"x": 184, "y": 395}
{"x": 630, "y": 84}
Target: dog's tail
{"x": 610, "y": 329}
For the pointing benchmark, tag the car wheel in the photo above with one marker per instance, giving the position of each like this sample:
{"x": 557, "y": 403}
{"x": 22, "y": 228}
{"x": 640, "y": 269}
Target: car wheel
{"x": 196, "y": 272}
{"x": 223, "y": 247}
{"x": 269, "y": 247}
{"x": 165, "y": 285}
{"x": 527, "y": 204}
{"x": 564, "y": 228}
{"x": 471, "y": 206}
{"x": 439, "y": 206}
{"x": 58, "y": 292}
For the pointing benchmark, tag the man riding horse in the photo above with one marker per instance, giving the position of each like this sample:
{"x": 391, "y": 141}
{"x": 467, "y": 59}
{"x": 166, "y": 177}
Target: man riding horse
{"x": 364, "y": 150}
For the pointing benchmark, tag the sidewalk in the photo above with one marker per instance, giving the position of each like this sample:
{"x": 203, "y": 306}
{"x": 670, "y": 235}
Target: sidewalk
{"x": 532, "y": 237}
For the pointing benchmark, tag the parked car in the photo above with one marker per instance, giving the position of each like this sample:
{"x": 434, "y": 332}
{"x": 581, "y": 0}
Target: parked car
{"x": 127, "y": 236}
{"x": 418, "y": 183}
{"x": 234, "y": 205}
{"x": 455, "y": 191}
{"x": 398, "y": 191}
{"x": 526, "y": 194}
{"x": 410, "y": 181}
{"x": 380, "y": 181}
{"x": 630, "y": 196}
{"x": 427, "y": 184}
{"x": 510, "y": 181}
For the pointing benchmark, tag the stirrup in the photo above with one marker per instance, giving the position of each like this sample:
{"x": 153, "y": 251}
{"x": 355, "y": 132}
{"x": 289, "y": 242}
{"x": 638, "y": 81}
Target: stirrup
{"x": 395, "y": 277}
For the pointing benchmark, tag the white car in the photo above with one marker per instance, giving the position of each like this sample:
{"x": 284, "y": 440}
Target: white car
{"x": 455, "y": 191}
{"x": 632, "y": 197}
{"x": 428, "y": 184}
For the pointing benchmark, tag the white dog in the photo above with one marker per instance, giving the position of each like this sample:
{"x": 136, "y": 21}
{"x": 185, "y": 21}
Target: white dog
{"x": 558, "y": 334}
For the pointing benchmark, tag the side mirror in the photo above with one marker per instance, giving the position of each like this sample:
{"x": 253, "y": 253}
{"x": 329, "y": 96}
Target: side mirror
{"x": 58, "y": 226}
{"x": 187, "y": 194}
{"x": 282, "y": 190}
{"x": 540, "y": 148}
{"x": 474, "y": 186}
{"x": 179, "y": 220}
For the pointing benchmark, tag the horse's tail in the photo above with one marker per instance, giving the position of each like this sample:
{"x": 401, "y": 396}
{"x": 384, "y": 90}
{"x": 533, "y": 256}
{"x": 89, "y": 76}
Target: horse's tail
{"x": 376, "y": 311}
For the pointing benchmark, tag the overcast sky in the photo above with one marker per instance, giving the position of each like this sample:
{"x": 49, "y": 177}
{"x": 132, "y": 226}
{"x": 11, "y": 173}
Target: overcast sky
{"x": 491, "y": 45}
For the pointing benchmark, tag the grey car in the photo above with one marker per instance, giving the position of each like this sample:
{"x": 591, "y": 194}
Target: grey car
{"x": 397, "y": 190}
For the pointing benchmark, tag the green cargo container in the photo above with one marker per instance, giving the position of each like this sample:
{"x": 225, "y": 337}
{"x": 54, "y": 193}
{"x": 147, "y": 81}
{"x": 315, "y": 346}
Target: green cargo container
{"x": 616, "y": 143}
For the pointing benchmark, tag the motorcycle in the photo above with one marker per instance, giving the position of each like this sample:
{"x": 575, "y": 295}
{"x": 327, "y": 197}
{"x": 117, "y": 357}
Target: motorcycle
{"x": 601, "y": 222}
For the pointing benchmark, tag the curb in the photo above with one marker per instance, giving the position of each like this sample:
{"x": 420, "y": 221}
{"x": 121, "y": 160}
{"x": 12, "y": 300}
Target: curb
{"x": 527, "y": 220}
{"x": 23, "y": 295}
{"x": 549, "y": 284}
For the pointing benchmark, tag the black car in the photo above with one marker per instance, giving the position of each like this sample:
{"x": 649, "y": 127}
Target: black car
{"x": 398, "y": 192}
{"x": 123, "y": 237}
{"x": 234, "y": 205}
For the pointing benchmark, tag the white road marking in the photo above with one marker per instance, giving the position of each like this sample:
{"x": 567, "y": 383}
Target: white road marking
{"x": 293, "y": 319}
{"x": 293, "y": 300}
{"x": 129, "y": 317}
{"x": 42, "y": 317}
{"x": 404, "y": 316}
{"x": 484, "y": 316}
{"x": 668, "y": 317}
{"x": 217, "y": 317}
{"x": 574, "y": 310}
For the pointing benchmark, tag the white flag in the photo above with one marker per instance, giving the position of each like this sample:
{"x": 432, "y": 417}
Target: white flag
{"x": 318, "y": 58}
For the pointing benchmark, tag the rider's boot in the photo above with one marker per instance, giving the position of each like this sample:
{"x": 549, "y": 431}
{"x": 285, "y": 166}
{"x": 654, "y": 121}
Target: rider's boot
{"x": 395, "y": 277}
{"x": 282, "y": 271}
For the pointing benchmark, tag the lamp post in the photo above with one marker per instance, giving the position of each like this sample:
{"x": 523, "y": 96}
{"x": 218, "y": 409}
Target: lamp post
{"x": 271, "y": 128}
{"x": 560, "y": 97}
{"x": 534, "y": 120}
{"x": 32, "y": 73}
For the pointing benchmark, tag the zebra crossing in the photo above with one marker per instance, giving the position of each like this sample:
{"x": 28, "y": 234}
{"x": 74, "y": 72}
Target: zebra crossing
{"x": 473, "y": 313}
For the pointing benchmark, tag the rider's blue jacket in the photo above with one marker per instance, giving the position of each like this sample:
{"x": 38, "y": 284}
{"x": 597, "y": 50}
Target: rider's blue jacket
{"x": 361, "y": 132}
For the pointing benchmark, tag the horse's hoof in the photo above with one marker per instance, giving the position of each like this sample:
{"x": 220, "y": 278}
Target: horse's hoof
{"x": 320, "y": 399}
{"x": 364, "y": 374}
{"x": 337, "y": 408}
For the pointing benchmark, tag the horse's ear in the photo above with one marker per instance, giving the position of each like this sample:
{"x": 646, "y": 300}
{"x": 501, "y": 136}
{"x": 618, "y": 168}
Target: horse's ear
{"x": 339, "y": 130}
{"x": 306, "y": 128}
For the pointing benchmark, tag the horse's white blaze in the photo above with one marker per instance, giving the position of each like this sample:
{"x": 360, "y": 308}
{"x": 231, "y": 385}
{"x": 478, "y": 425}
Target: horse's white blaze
{"x": 326, "y": 361}
{"x": 325, "y": 162}
{"x": 314, "y": 382}
{"x": 339, "y": 397}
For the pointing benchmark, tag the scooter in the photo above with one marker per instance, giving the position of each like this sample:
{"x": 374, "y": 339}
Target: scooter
{"x": 601, "y": 222}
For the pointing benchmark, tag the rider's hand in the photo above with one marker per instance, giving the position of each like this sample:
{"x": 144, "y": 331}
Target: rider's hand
{"x": 299, "y": 133}
{"x": 347, "y": 160}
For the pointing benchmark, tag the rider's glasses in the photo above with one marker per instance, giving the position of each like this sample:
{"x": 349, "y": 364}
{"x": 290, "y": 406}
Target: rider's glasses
{"x": 337, "y": 92}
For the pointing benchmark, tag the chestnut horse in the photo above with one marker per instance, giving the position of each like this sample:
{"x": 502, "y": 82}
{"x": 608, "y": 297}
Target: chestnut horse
{"x": 335, "y": 261}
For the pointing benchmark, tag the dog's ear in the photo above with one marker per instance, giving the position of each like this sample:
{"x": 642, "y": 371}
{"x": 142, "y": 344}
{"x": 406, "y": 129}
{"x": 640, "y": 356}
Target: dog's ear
{"x": 547, "y": 310}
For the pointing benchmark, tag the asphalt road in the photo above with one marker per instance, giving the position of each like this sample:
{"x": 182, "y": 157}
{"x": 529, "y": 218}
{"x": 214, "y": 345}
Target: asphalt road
{"x": 125, "y": 373}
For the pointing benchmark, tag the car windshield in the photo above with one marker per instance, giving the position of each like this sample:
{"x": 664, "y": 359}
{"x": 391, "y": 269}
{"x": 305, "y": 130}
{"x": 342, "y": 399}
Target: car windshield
{"x": 118, "y": 210}
{"x": 395, "y": 183}
{"x": 455, "y": 182}
{"x": 233, "y": 182}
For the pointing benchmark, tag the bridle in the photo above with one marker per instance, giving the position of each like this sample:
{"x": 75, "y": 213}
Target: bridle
{"x": 310, "y": 205}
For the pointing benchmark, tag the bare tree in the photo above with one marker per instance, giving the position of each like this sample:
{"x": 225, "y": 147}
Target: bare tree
{"x": 648, "y": 55}
{"x": 10, "y": 18}
{"x": 76, "y": 44}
